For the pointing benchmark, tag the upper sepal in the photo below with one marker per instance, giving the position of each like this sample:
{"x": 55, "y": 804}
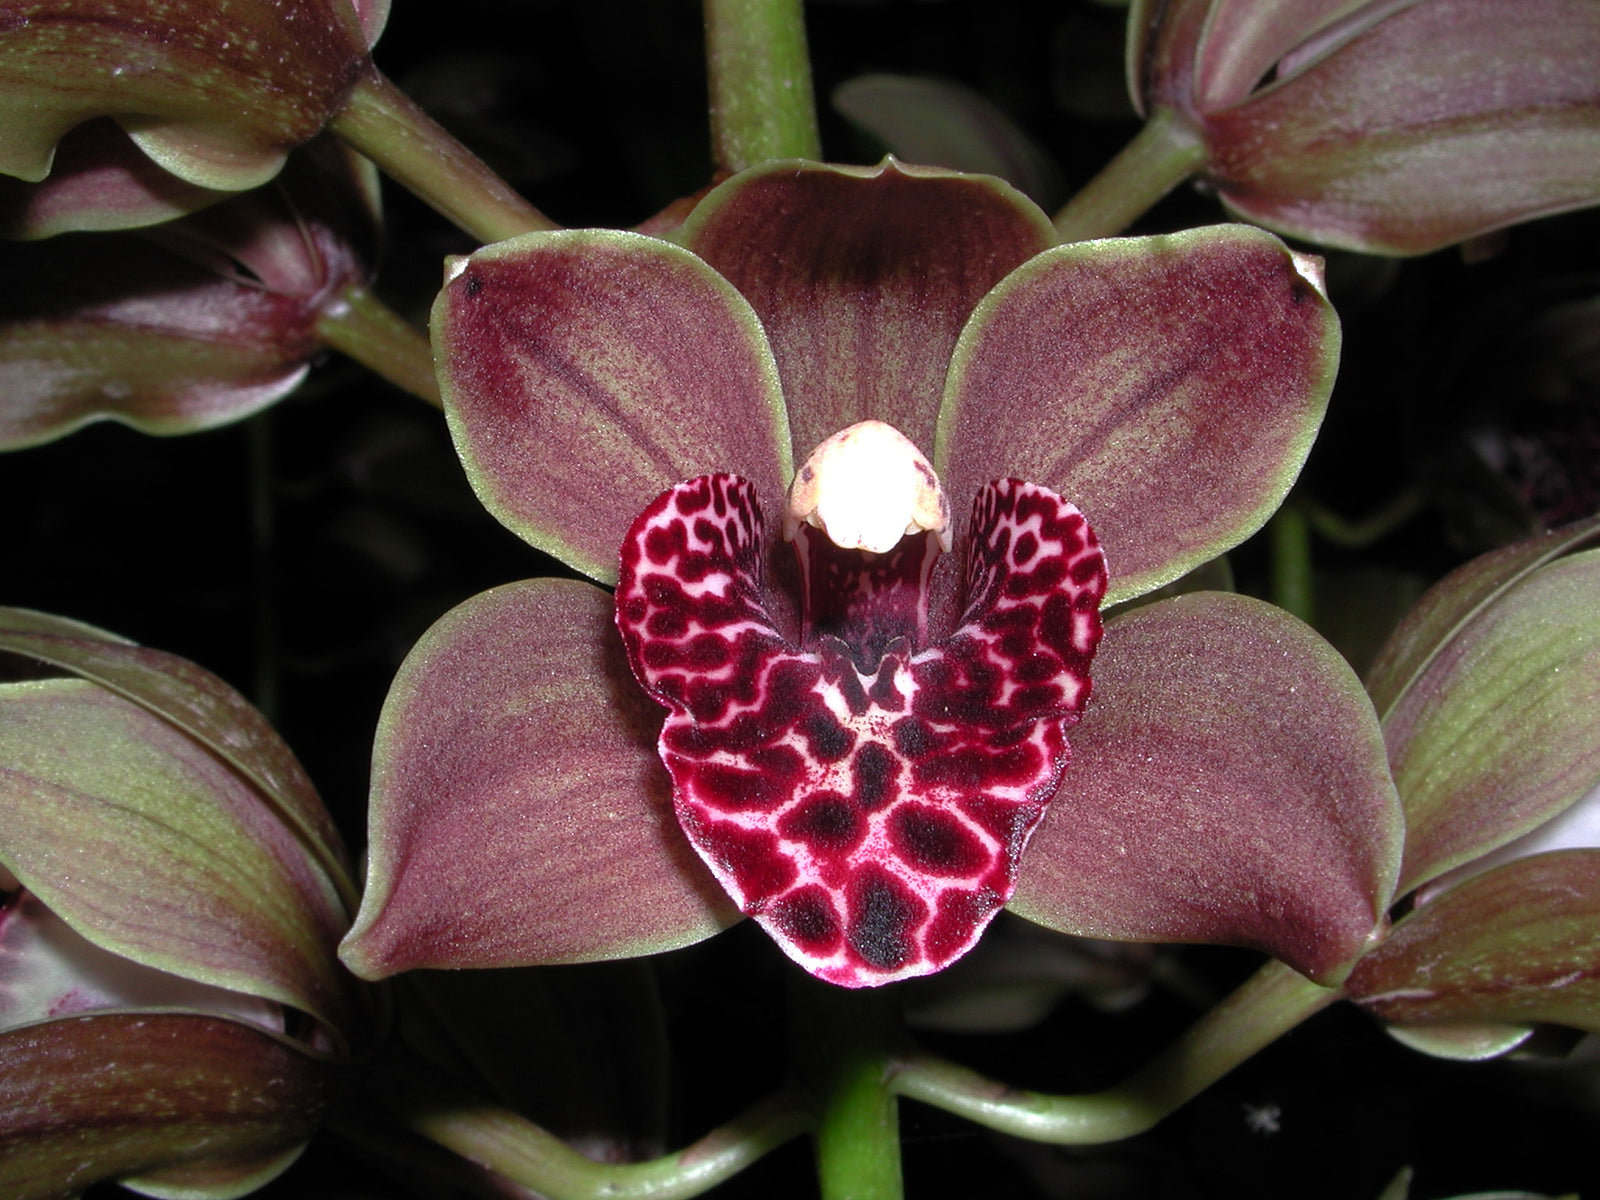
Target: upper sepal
{"x": 1228, "y": 784}
{"x": 1171, "y": 386}
{"x": 862, "y": 278}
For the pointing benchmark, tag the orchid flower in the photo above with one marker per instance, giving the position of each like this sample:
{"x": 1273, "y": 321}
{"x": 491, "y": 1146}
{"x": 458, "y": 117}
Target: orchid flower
{"x": 1389, "y": 126}
{"x": 172, "y": 1015}
{"x": 856, "y": 754}
{"x": 1488, "y": 692}
{"x": 192, "y": 324}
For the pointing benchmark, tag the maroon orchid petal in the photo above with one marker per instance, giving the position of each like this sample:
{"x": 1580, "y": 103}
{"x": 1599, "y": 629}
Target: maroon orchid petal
{"x": 1171, "y": 386}
{"x": 1441, "y": 121}
{"x": 519, "y": 812}
{"x": 584, "y": 371}
{"x": 1519, "y": 943}
{"x": 871, "y": 821}
{"x": 1228, "y": 785}
{"x": 196, "y": 1105}
{"x": 863, "y": 278}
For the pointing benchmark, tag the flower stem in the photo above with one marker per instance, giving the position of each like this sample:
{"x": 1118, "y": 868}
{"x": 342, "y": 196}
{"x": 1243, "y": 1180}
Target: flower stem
{"x": 387, "y": 126}
{"x": 1162, "y": 155}
{"x": 1292, "y": 587}
{"x": 516, "y": 1149}
{"x": 360, "y": 325}
{"x": 760, "y": 75}
{"x": 843, "y": 1041}
{"x": 1268, "y": 1005}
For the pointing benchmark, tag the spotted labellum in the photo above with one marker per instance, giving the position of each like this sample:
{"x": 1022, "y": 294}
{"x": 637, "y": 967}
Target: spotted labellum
{"x": 867, "y": 798}
{"x": 805, "y": 711}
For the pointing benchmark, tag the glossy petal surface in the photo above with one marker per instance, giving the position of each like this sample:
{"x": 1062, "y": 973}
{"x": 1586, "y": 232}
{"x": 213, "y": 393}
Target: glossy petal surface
{"x": 585, "y": 371}
{"x": 1445, "y": 120}
{"x": 1245, "y": 39}
{"x": 218, "y": 1104}
{"x": 1171, "y": 386}
{"x": 870, "y": 820}
{"x": 519, "y": 812}
{"x": 224, "y": 894}
{"x": 1498, "y": 733}
{"x": 218, "y": 92}
{"x": 1227, "y": 785}
{"x": 1519, "y": 943}
{"x": 862, "y": 278}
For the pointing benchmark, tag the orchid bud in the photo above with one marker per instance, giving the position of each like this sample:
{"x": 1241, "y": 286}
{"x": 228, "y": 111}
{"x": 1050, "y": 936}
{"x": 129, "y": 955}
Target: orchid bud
{"x": 188, "y": 325}
{"x": 1382, "y": 126}
{"x": 1488, "y": 692}
{"x": 215, "y": 92}
{"x": 171, "y": 893}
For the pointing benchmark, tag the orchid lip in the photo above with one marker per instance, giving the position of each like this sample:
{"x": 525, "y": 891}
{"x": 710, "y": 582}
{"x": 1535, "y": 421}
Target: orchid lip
{"x": 865, "y": 797}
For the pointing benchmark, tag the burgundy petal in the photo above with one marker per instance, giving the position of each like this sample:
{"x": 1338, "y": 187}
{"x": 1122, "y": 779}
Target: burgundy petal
{"x": 1519, "y": 943}
{"x": 519, "y": 812}
{"x": 870, "y": 821}
{"x": 106, "y": 1097}
{"x": 1245, "y": 39}
{"x": 584, "y": 371}
{"x": 1170, "y": 386}
{"x": 1228, "y": 785}
{"x": 863, "y": 278}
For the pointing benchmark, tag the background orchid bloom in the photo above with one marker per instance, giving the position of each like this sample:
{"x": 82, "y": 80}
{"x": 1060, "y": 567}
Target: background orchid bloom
{"x": 1488, "y": 692}
{"x": 223, "y": 90}
{"x": 191, "y": 324}
{"x": 171, "y": 1011}
{"x": 1169, "y": 387}
{"x": 1389, "y": 126}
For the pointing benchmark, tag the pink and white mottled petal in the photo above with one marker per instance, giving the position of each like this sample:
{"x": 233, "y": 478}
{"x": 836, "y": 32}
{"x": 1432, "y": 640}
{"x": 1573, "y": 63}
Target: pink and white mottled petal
{"x": 870, "y": 820}
{"x": 1228, "y": 785}
{"x": 561, "y": 354}
{"x": 1444, "y": 121}
{"x": 1171, "y": 386}
{"x": 863, "y": 278}
{"x": 514, "y": 739}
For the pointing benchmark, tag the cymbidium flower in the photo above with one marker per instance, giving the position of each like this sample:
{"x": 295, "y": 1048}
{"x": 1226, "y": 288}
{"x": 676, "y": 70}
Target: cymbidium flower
{"x": 214, "y": 93}
{"x": 857, "y": 751}
{"x": 187, "y": 325}
{"x": 1488, "y": 692}
{"x": 171, "y": 1011}
{"x": 1394, "y": 126}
